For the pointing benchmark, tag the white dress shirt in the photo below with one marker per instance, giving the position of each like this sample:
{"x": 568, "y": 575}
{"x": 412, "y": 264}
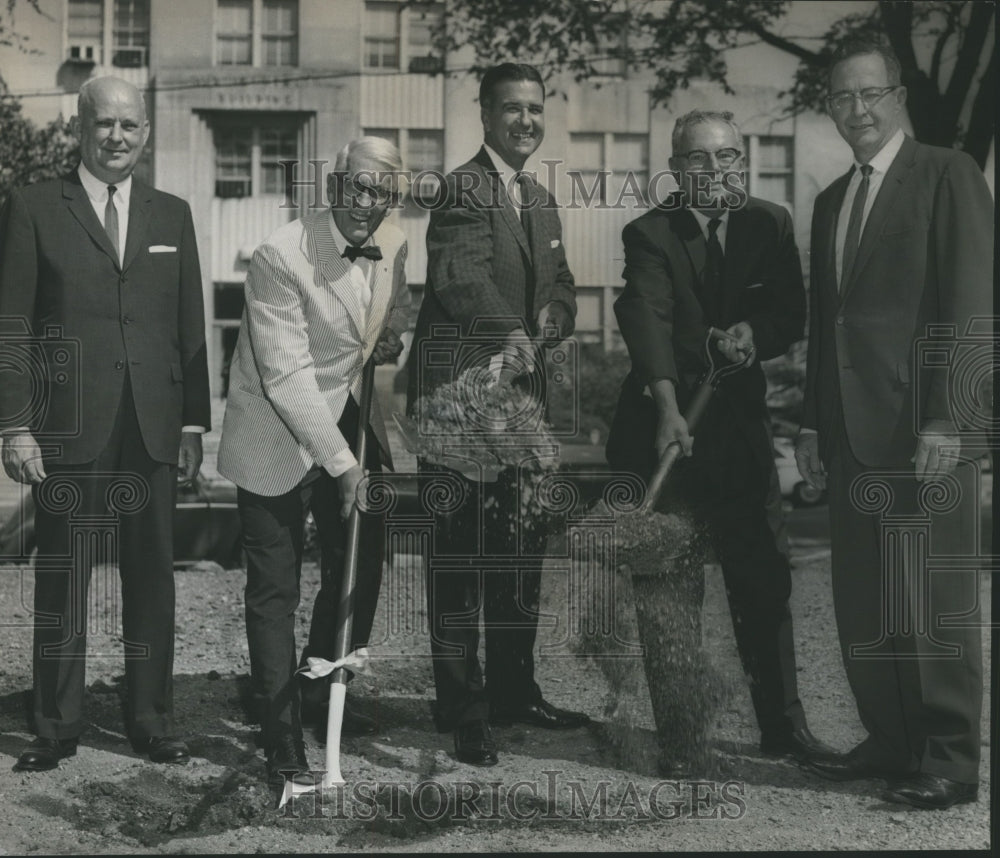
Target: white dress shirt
{"x": 97, "y": 193}
{"x": 507, "y": 174}
{"x": 880, "y": 165}
{"x": 361, "y": 273}
{"x": 720, "y": 232}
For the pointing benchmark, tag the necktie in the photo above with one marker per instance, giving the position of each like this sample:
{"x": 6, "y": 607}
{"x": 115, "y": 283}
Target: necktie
{"x": 527, "y": 215}
{"x": 111, "y": 220}
{"x": 854, "y": 226}
{"x": 371, "y": 251}
{"x": 524, "y": 185}
{"x": 712, "y": 279}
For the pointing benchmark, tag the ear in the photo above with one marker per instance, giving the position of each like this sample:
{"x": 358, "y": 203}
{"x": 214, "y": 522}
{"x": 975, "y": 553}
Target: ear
{"x": 145, "y": 132}
{"x": 75, "y": 127}
{"x": 901, "y": 96}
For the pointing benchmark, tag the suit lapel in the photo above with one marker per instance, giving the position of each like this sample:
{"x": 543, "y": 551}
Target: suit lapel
{"x": 737, "y": 252}
{"x": 885, "y": 203}
{"x": 508, "y": 212}
{"x": 138, "y": 220}
{"x": 826, "y": 251}
{"x": 689, "y": 232}
{"x": 333, "y": 269}
{"x": 80, "y": 207}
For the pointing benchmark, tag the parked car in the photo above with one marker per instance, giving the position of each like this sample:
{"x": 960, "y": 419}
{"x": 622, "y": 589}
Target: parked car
{"x": 791, "y": 482}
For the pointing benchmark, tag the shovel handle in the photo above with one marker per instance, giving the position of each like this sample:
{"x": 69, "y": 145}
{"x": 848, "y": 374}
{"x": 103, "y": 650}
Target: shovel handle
{"x": 695, "y": 410}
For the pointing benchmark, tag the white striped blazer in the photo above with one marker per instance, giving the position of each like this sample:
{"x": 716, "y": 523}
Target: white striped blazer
{"x": 301, "y": 347}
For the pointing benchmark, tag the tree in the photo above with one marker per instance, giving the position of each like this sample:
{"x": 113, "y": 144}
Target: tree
{"x": 9, "y": 36}
{"x": 27, "y": 153}
{"x": 941, "y": 46}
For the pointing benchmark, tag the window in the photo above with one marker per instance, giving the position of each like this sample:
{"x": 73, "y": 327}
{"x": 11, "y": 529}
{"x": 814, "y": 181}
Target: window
{"x": 257, "y": 33}
{"x": 85, "y": 30}
{"x": 610, "y": 59}
{"x": 422, "y": 150}
{"x": 608, "y": 169}
{"x": 130, "y": 36}
{"x": 401, "y": 36}
{"x": 771, "y": 169}
{"x": 248, "y": 156}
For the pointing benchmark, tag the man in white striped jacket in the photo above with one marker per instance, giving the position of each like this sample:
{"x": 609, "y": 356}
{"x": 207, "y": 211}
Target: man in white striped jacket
{"x": 323, "y": 293}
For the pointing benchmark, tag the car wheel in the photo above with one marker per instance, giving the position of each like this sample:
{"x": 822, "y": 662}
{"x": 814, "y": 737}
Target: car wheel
{"x": 805, "y": 495}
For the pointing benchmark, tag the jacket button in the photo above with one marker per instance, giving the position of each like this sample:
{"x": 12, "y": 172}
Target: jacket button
{"x": 127, "y": 320}
{"x": 119, "y": 364}
{"x": 840, "y": 320}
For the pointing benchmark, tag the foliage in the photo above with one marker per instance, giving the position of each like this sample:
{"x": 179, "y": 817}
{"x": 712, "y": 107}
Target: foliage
{"x": 688, "y": 40}
{"x": 9, "y": 36}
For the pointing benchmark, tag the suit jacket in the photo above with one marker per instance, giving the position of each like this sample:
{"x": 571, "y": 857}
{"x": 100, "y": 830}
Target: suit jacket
{"x": 925, "y": 258}
{"x": 485, "y": 274}
{"x": 303, "y": 343}
{"x": 662, "y": 321}
{"x": 61, "y": 285}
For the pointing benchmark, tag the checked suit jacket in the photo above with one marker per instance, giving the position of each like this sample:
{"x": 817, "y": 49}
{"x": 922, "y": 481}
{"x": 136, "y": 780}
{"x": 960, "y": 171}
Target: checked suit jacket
{"x": 303, "y": 343}
{"x": 485, "y": 275}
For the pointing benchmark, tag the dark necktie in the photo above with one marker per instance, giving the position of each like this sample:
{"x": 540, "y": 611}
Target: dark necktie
{"x": 524, "y": 185}
{"x": 712, "y": 280}
{"x": 111, "y": 220}
{"x": 854, "y": 226}
{"x": 527, "y": 215}
{"x": 371, "y": 251}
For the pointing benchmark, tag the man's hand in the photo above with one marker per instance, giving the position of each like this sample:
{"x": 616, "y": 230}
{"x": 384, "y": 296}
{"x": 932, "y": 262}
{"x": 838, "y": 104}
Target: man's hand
{"x": 671, "y": 427}
{"x": 741, "y": 345}
{"x": 348, "y": 482}
{"x": 388, "y": 348}
{"x": 189, "y": 459}
{"x": 937, "y": 450}
{"x": 554, "y": 323}
{"x": 518, "y": 355}
{"x": 807, "y": 458}
{"x": 22, "y": 459}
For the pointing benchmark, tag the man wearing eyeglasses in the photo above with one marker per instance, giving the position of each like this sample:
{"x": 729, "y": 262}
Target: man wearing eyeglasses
{"x": 323, "y": 295}
{"x": 712, "y": 256}
{"x": 901, "y": 243}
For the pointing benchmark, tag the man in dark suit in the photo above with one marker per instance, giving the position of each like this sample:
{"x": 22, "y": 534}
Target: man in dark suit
{"x": 323, "y": 295}
{"x": 496, "y": 276}
{"x": 902, "y": 249}
{"x": 111, "y": 266}
{"x": 699, "y": 261}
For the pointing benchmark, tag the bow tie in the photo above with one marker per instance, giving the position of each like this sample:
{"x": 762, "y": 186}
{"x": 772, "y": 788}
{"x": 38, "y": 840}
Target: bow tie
{"x": 372, "y": 251}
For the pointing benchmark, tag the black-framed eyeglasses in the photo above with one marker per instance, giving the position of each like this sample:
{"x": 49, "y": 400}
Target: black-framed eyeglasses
{"x": 841, "y": 102}
{"x": 700, "y": 158}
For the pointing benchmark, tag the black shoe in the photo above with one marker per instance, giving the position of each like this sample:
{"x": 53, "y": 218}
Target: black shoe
{"x": 539, "y": 714}
{"x": 355, "y": 723}
{"x": 851, "y": 766}
{"x": 930, "y": 792}
{"x": 286, "y": 760}
{"x": 43, "y": 755}
{"x": 163, "y": 749}
{"x": 799, "y": 744}
{"x": 474, "y": 744}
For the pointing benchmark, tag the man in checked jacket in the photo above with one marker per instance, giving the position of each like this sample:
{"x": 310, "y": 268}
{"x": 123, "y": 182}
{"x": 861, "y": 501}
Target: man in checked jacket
{"x": 496, "y": 276}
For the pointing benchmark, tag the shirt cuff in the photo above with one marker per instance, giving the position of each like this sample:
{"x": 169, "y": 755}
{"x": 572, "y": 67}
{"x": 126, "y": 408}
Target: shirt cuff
{"x": 199, "y": 429}
{"x": 340, "y": 463}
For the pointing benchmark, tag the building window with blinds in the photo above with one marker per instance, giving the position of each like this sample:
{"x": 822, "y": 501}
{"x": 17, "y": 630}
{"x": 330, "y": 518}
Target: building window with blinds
{"x": 233, "y": 164}
{"x": 608, "y": 169}
{"x": 257, "y": 33}
{"x": 249, "y": 156}
{"x": 130, "y": 36}
{"x": 280, "y": 33}
{"x": 381, "y": 50}
{"x": 771, "y": 169}
{"x": 234, "y": 33}
{"x": 85, "y": 30}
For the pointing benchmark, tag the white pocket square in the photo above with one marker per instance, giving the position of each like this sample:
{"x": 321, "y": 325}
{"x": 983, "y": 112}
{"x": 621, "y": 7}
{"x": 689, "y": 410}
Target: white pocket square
{"x": 755, "y": 286}
{"x": 162, "y": 248}
{"x": 554, "y": 243}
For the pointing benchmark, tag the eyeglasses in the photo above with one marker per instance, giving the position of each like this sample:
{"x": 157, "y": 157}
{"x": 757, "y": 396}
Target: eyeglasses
{"x": 700, "y": 158}
{"x": 378, "y": 196}
{"x": 841, "y": 102}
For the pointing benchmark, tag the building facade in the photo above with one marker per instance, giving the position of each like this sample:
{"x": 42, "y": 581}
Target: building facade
{"x": 235, "y": 88}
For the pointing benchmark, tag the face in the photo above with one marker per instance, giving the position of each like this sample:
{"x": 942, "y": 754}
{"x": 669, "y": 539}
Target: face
{"x": 514, "y": 120}
{"x": 360, "y": 205}
{"x": 866, "y": 129}
{"x": 113, "y": 130}
{"x": 702, "y": 159}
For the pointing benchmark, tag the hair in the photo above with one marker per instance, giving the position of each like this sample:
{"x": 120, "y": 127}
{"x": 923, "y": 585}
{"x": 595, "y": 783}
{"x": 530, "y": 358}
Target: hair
{"x": 696, "y": 117}
{"x": 86, "y": 97}
{"x": 503, "y": 73}
{"x": 382, "y": 153}
{"x": 859, "y": 46}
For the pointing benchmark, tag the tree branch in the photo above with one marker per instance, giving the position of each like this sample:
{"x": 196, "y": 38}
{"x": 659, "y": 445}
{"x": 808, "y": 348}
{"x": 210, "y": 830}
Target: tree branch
{"x": 811, "y": 58}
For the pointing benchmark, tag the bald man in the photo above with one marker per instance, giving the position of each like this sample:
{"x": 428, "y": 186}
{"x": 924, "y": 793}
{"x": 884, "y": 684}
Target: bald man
{"x": 108, "y": 425}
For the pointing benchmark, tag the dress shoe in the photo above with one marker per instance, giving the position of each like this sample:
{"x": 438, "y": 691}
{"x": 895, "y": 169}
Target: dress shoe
{"x": 851, "y": 766}
{"x": 286, "y": 760}
{"x": 800, "y": 744}
{"x": 538, "y": 714}
{"x": 44, "y": 754}
{"x": 355, "y": 723}
{"x": 163, "y": 749}
{"x": 474, "y": 744}
{"x": 930, "y": 792}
